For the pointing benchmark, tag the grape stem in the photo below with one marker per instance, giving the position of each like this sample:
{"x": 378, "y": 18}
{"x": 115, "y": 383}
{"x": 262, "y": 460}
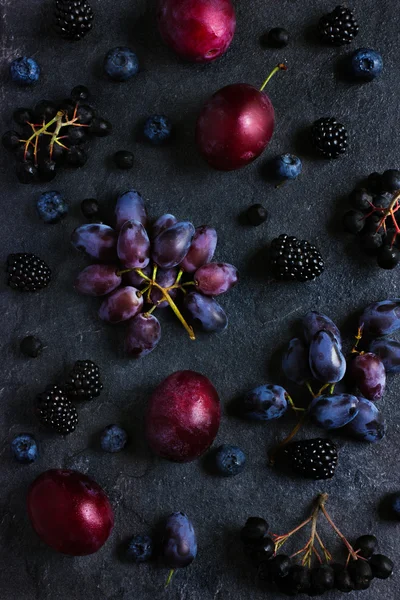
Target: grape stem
{"x": 169, "y": 578}
{"x": 358, "y": 337}
{"x": 280, "y": 67}
{"x": 287, "y": 439}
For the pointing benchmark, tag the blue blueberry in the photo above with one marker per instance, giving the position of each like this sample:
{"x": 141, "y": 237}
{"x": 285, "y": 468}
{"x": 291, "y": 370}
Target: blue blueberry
{"x": 179, "y": 546}
{"x": 265, "y": 403}
{"x": 229, "y": 460}
{"x": 333, "y": 412}
{"x": 121, "y": 63}
{"x": 52, "y": 207}
{"x": 24, "y": 71}
{"x": 24, "y": 448}
{"x": 140, "y": 548}
{"x": 113, "y": 439}
{"x": 287, "y": 166}
{"x": 157, "y": 129}
{"x": 366, "y": 64}
{"x": 395, "y": 505}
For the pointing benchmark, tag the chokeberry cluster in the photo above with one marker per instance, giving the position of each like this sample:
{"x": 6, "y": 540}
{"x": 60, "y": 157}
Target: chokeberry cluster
{"x": 54, "y": 134}
{"x": 157, "y": 265}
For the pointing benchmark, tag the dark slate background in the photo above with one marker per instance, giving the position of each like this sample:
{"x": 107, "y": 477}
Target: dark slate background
{"x": 262, "y": 314}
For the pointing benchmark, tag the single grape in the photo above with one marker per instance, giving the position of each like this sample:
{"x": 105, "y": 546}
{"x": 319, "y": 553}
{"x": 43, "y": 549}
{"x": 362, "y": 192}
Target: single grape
{"x": 333, "y": 412}
{"x": 295, "y": 363}
{"x": 133, "y": 278}
{"x": 369, "y": 424}
{"x": 206, "y": 311}
{"x": 179, "y": 547}
{"x": 214, "y": 279}
{"x": 130, "y": 207}
{"x": 121, "y": 305}
{"x": 97, "y": 280}
{"x": 389, "y": 352}
{"x": 201, "y": 249}
{"x": 313, "y": 322}
{"x": 381, "y": 318}
{"x": 265, "y": 403}
{"x": 133, "y": 245}
{"x": 165, "y": 278}
{"x": 171, "y": 245}
{"x": 368, "y": 373}
{"x": 143, "y": 335}
{"x": 327, "y": 362}
{"x": 163, "y": 222}
{"x": 97, "y": 240}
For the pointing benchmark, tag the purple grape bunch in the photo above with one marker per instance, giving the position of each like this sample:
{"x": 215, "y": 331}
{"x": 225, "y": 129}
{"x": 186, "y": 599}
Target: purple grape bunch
{"x": 142, "y": 267}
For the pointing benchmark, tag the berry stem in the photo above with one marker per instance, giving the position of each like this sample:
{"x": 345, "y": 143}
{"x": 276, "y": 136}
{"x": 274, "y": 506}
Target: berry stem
{"x": 314, "y": 517}
{"x": 169, "y": 578}
{"x": 339, "y": 533}
{"x": 327, "y": 554}
{"x": 287, "y": 439}
{"x": 280, "y": 67}
{"x": 281, "y": 539}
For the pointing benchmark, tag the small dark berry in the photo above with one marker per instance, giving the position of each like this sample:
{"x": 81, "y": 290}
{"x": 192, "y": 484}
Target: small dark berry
{"x": 80, "y": 93}
{"x": 388, "y": 257}
{"x": 90, "y": 208}
{"x": 257, "y": 214}
{"x": 391, "y": 180}
{"x": 353, "y": 221}
{"x": 366, "y": 544}
{"x": 254, "y": 530}
{"x": 278, "y": 37}
{"x": 361, "y": 574}
{"x": 360, "y": 199}
{"x": 382, "y": 566}
{"x": 123, "y": 159}
{"x": 260, "y": 552}
{"x": 31, "y": 346}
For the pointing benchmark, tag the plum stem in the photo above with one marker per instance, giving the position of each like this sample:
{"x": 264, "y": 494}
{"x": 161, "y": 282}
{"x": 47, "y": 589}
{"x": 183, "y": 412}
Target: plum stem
{"x": 292, "y": 404}
{"x": 288, "y": 438}
{"x": 280, "y": 67}
{"x": 169, "y": 578}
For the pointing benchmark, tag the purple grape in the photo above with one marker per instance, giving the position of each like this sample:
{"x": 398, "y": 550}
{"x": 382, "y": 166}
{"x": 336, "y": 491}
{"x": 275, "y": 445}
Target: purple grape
{"x": 97, "y": 240}
{"x": 164, "y": 222}
{"x": 121, "y": 305}
{"x": 143, "y": 335}
{"x": 389, "y": 352}
{"x": 215, "y": 278}
{"x": 368, "y": 373}
{"x": 381, "y": 318}
{"x": 133, "y": 245}
{"x": 265, "y": 403}
{"x": 327, "y": 362}
{"x": 201, "y": 250}
{"x": 369, "y": 424}
{"x": 179, "y": 546}
{"x": 130, "y": 207}
{"x": 206, "y": 311}
{"x": 295, "y": 364}
{"x": 315, "y": 321}
{"x": 165, "y": 278}
{"x": 97, "y": 280}
{"x": 171, "y": 245}
{"x": 333, "y": 412}
{"x": 133, "y": 278}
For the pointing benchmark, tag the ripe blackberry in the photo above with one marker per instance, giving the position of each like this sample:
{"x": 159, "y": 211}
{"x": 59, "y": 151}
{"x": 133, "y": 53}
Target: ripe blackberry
{"x": 338, "y": 27}
{"x": 314, "y": 459}
{"x": 329, "y": 137}
{"x": 27, "y": 272}
{"x": 56, "y": 411}
{"x": 83, "y": 382}
{"x": 295, "y": 259}
{"x": 72, "y": 18}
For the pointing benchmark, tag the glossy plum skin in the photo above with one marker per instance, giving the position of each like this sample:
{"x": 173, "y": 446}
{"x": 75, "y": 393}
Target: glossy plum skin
{"x": 314, "y": 321}
{"x": 235, "y": 126}
{"x": 121, "y": 305}
{"x": 97, "y": 280}
{"x": 96, "y": 240}
{"x": 171, "y": 245}
{"x": 214, "y": 279}
{"x": 201, "y": 249}
{"x": 295, "y": 364}
{"x": 389, "y": 352}
{"x": 265, "y": 403}
{"x": 183, "y": 416}
{"x": 130, "y": 207}
{"x": 381, "y": 318}
{"x": 69, "y": 512}
{"x": 369, "y": 424}
{"x": 368, "y": 373}
{"x": 163, "y": 222}
{"x": 133, "y": 245}
{"x": 333, "y": 412}
{"x": 206, "y": 312}
{"x": 327, "y": 362}
{"x": 142, "y": 336}
{"x": 197, "y": 30}
{"x": 179, "y": 545}
{"x": 136, "y": 280}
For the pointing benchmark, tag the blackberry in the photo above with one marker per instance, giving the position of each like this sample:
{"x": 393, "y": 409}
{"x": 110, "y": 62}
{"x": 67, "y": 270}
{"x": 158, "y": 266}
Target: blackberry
{"x": 27, "y": 272}
{"x": 329, "y": 137}
{"x": 72, "y": 18}
{"x": 314, "y": 459}
{"x": 83, "y": 382}
{"x": 338, "y": 27}
{"x": 295, "y": 259}
{"x": 56, "y": 411}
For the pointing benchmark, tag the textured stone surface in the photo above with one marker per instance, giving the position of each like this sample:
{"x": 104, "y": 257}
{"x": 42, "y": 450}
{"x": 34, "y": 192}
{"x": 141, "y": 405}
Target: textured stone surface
{"x": 142, "y": 488}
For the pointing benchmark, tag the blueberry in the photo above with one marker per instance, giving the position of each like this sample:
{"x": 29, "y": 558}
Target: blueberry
{"x": 287, "y": 166}
{"x": 230, "y": 460}
{"x": 121, "y": 63}
{"x": 52, "y": 207}
{"x": 113, "y": 439}
{"x": 24, "y": 448}
{"x": 140, "y": 548}
{"x": 24, "y": 71}
{"x": 157, "y": 129}
{"x": 366, "y": 64}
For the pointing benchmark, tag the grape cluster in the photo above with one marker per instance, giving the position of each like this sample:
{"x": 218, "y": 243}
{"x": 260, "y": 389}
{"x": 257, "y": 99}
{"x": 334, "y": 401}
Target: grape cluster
{"x": 52, "y": 135}
{"x": 373, "y": 217}
{"x": 157, "y": 264}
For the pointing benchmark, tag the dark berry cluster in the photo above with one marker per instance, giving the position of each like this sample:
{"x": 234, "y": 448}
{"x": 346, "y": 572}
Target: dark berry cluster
{"x": 329, "y": 137}
{"x": 373, "y": 217}
{"x": 27, "y": 272}
{"x": 72, "y": 18}
{"x": 312, "y": 459}
{"x": 338, "y": 27}
{"x": 54, "y": 134}
{"x": 294, "y": 259}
